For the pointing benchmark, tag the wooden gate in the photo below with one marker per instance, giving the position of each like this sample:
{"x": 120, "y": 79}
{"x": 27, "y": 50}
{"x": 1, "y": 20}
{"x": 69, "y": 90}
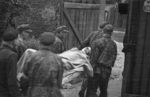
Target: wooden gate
{"x": 81, "y": 18}
{"x": 136, "y": 76}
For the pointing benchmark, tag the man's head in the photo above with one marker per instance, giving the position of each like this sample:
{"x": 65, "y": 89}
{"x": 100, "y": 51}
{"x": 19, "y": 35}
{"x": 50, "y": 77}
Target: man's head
{"x": 10, "y": 34}
{"x": 61, "y": 32}
{"x": 47, "y": 39}
{"x": 103, "y": 25}
{"x": 108, "y": 29}
{"x": 24, "y": 30}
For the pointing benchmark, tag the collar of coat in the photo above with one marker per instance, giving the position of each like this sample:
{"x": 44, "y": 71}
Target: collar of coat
{"x": 8, "y": 47}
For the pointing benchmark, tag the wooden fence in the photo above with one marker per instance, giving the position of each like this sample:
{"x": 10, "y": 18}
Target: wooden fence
{"x": 81, "y": 18}
{"x": 136, "y": 79}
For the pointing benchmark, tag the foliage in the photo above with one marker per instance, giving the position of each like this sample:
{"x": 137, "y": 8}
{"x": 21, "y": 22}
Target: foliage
{"x": 10, "y": 9}
{"x": 14, "y": 9}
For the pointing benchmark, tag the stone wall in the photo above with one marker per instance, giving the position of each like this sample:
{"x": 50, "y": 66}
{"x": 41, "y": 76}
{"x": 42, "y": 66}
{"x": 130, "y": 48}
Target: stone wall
{"x": 43, "y": 15}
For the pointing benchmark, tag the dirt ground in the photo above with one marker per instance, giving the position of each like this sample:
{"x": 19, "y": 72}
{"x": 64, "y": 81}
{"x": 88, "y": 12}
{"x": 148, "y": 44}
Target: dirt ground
{"x": 114, "y": 89}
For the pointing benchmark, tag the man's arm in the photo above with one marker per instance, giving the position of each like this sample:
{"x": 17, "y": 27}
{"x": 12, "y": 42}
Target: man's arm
{"x": 11, "y": 72}
{"x": 24, "y": 81}
{"x": 114, "y": 55}
{"x": 60, "y": 47}
{"x": 95, "y": 53}
{"x": 60, "y": 73}
{"x": 86, "y": 42}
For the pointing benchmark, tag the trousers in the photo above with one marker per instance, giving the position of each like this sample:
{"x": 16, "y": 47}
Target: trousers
{"x": 95, "y": 82}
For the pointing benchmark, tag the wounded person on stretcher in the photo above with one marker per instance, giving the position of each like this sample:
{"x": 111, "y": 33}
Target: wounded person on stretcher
{"x": 75, "y": 62}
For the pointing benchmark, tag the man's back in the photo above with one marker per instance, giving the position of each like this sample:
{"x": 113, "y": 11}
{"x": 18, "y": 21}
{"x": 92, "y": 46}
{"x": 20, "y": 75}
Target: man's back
{"x": 8, "y": 66}
{"x": 44, "y": 71}
{"x": 104, "y": 51}
{"x": 41, "y": 65}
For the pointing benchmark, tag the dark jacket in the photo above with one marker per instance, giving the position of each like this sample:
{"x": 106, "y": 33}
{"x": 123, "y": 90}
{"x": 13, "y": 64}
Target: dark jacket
{"x": 58, "y": 46}
{"x": 8, "y": 72}
{"x": 103, "y": 55}
{"x": 44, "y": 72}
{"x": 20, "y": 48}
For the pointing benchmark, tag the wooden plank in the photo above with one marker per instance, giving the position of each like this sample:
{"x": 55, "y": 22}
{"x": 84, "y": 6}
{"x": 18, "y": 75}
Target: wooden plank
{"x": 84, "y": 22}
{"x": 139, "y": 50}
{"x": 92, "y": 21}
{"x": 81, "y": 5}
{"x": 144, "y": 84}
{"x": 132, "y": 95}
{"x": 73, "y": 26}
{"x": 96, "y": 23}
{"x": 127, "y": 64}
{"x": 81, "y": 18}
{"x": 72, "y": 15}
{"x": 67, "y": 36}
{"x": 84, "y": 25}
{"x": 133, "y": 40}
{"x": 64, "y": 22}
{"x": 89, "y": 24}
{"x": 77, "y": 22}
{"x": 149, "y": 84}
{"x": 102, "y": 11}
{"x": 61, "y": 12}
{"x": 77, "y": 16}
{"x": 69, "y": 43}
{"x": 74, "y": 39}
{"x": 126, "y": 74}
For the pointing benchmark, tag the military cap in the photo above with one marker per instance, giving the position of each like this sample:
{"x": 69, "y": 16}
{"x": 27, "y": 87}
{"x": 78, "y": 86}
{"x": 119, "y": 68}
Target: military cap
{"x": 47, "y": 38}
{"x": 61, "y": 28}
{"x": 23, "y": 27}
{"x": 103, "y": 25}
{"x": 10, "y": 34}
{"x": 108, "y": 29}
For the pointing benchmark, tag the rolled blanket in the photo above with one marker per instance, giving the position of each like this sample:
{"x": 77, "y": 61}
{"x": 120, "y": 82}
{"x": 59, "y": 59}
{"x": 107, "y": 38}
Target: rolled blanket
{"x": 76, "y": 61}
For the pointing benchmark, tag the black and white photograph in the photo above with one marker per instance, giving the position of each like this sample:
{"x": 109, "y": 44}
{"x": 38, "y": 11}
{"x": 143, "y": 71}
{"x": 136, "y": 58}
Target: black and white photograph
{"x": 74, "y": 48}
